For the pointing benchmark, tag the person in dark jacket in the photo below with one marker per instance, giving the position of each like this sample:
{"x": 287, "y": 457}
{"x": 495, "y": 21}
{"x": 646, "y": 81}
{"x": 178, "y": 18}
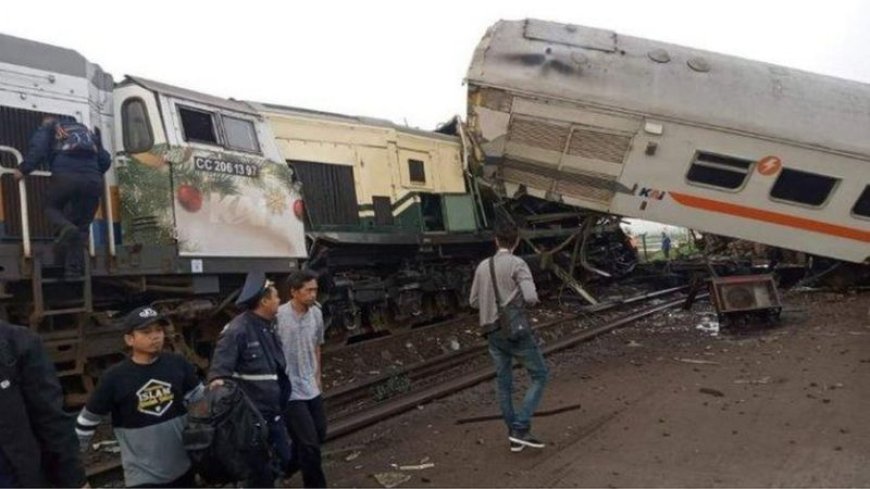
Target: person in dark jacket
{"x": 77, "y": 161}
{"x": 249, "y": 351}
{"x": 38, "y": 444}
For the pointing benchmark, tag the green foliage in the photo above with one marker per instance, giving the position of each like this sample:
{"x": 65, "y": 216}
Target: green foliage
{"x": 146, "y": 203}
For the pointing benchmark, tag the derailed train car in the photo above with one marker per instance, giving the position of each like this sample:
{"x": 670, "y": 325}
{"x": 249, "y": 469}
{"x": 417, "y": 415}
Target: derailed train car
{"x": 392, "y": 226}
{"x": 666, "y": 133}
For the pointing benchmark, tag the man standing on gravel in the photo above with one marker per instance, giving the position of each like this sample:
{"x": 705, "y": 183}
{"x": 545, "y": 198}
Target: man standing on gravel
{"x": 515, "y": 286}
{"x": 300, "y": 326}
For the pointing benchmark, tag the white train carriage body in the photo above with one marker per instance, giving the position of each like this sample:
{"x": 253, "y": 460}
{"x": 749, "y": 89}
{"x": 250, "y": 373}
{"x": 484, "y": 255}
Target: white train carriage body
{"x": 676, "y": 135}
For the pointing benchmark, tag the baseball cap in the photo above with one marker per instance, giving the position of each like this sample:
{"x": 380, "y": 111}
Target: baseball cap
{"x": 142, "y": 317}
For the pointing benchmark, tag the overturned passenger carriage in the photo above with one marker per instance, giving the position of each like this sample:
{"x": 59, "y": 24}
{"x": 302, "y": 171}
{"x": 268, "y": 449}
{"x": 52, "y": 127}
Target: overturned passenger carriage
{"x": 666, "y": 133}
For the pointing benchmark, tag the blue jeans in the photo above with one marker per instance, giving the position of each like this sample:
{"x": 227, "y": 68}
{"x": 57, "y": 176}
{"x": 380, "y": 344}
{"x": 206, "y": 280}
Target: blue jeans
{"x": 526, "y": 350}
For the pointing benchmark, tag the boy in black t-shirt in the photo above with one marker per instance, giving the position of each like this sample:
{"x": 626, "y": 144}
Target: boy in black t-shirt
{"x": 147, "y": 395}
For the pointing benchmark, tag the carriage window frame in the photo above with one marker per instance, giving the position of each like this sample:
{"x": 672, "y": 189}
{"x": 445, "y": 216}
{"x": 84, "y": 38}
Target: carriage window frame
{"x": 720, "y": 162}
{"x": 864, "y": 199}
{"x": 228, "y": 145}
{"x": 126, "y": 128}
{"x": 214, "y": 125}
{"x": 784, "y": 200}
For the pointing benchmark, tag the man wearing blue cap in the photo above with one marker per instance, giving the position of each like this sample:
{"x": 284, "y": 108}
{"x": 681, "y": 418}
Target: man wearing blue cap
{"x": 249, "y": 352}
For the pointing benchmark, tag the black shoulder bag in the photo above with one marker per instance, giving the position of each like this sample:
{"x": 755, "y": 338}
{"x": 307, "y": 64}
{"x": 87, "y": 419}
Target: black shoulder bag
{"x": 511, "y": 317}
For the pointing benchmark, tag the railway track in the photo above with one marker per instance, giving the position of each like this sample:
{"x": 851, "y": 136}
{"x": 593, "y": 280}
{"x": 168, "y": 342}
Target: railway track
{"x": 352, "y": 407}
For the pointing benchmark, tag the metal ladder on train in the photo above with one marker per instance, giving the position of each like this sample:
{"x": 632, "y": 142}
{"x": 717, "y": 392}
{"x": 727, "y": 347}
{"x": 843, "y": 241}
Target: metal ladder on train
{"x": 65, "y": 345}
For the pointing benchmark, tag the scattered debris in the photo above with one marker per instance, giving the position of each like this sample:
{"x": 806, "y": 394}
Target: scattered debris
{"x": 414, "y": 467}
{"x": 712, "y": 392}
{"x": 696, "y": 362}
{"x": 709, "y": 324}
{"x": 108, "y": 446}
{"x": 391, "y": 479}
{"x": 763, "y": 380}
{"x": 633, "y": 344}
{"x": 353, "y": 456}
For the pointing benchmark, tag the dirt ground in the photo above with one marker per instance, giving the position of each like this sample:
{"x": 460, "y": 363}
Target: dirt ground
{"x": 664, "y": 403}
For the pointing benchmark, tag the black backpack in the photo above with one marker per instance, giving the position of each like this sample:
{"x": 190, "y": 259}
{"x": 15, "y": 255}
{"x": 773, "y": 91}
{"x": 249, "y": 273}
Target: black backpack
{"x": 224, "y": 431}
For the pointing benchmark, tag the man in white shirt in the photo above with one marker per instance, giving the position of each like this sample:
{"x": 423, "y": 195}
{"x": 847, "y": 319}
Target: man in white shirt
{"x": 300, "y": 326}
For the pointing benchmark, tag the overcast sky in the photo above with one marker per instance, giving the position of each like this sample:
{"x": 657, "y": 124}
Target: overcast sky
{"x": 405, "y": 61}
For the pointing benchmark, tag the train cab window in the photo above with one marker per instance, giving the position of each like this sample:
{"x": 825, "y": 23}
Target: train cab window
{"x": 862, "y": 207}
{"x": 240, "y": 134}
{"x": 416, "y": 171}
{"x": 716, "y": 170}
{"x": 136, "y": 128}
{"x": 802, "y": 187}
{"x": 198, "y": 125}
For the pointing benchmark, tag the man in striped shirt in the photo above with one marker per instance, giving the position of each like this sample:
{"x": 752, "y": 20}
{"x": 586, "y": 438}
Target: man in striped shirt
{"x": 146, "y": 396}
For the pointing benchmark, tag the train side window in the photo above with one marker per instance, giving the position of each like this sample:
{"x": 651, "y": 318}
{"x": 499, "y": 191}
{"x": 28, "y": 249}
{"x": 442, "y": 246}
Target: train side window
{"x": 862, "y": 207}
{"x": 802, "y": 187}
{"x": 726, "y": 172}
{"x": 240, "y": 134}
{"x": 416, "y": 171}
{"x": 136, "y": 128}
{"x": 198, "y": 125}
